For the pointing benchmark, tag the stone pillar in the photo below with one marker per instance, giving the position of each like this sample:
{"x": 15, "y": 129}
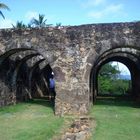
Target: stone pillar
{"x": 136, "y": 83}
{"x": 71, "y": 99}
{"x": 7, "y": 97}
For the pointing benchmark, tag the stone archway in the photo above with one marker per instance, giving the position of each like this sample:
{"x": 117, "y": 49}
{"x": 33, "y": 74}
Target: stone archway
{"x": 127, "y": 55}
{"x": 76, "y": 53}
{"x": 18, "y": 67}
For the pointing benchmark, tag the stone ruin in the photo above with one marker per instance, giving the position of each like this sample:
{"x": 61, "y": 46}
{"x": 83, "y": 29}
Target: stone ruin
{"x": 74, "y": 53}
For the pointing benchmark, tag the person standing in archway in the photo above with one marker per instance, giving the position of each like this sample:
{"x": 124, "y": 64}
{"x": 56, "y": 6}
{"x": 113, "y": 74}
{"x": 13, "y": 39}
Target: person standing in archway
{"x": 52, "y": 93}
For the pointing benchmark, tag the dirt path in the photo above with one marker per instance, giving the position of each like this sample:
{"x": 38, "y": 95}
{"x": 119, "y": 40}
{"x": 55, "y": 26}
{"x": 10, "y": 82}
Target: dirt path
{"x": 79, "y": 129}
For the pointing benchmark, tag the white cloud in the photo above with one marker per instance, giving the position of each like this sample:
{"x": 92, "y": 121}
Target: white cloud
{"x": 109, "y": 10}
{"x": 114, "y": 8}
{"x": 31, "y": 14}
{"x": 93, "y": 3}
{"x": 96, "y": 15}
{"x": 98, "y": 2}
{"x": 7, "y": 23}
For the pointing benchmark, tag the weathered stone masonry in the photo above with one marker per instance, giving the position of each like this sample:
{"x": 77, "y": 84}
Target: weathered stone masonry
{"x": 75, "y": 54}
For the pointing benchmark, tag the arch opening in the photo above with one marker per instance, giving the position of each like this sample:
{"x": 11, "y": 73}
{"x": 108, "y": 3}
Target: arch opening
{"x": 22, "y": 76}
{"x": 125, "y": 55}
{"x": 114, "y": 79}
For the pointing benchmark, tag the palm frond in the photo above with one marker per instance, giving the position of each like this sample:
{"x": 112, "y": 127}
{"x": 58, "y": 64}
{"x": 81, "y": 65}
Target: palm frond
{"x": 45, "y": 21}
{"x": 40, "y": 22}
{"x": 2, "y": 14}
{"x": 34, "y": 22}
{"x": 19, "y": 25}
{"x": 3, "y": 6}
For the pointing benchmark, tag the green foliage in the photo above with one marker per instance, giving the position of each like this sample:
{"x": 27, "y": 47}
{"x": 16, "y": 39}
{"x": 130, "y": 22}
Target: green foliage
{"x": 104, "y": 85}
{"x": 108, "y": 82}
{"x": 40, "y": 22}
{"x": 120, "y": 86}
{"x": 19, "y": 25}
{"x": 3, "y": 6}
{"x": 58, "y": 24}
{"x": 109, "y": 71}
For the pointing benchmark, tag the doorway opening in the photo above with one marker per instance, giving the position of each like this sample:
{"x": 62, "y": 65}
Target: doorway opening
{"x": 125, "y": 55}
{"x": 114, "y": 79}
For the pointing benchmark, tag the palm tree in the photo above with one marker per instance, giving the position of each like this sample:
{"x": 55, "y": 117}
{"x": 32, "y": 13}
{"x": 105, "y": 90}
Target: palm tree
{"x": 19, "y": 25}
{"x": 40, "y": 22}
{"x": 3, "y": 6}
{"x": 58, "y": 24}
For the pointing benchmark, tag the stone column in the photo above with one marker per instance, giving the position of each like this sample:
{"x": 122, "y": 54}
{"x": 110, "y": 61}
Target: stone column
{"x": 71, "y": 99}
{"x": 72, "y": 92}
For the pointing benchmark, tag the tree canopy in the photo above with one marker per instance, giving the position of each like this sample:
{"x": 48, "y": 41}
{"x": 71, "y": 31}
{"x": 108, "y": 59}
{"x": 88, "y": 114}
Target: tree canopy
{"x": 19, "y": 25}
{"x": 109, "y": 71}
{"x": 109, "y": 82}
{"x": 40, "y": 22}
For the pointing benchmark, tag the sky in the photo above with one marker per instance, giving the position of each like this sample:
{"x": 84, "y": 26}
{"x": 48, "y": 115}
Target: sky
{"x": 122, "y": 68}
{"x": 71, "y": 12}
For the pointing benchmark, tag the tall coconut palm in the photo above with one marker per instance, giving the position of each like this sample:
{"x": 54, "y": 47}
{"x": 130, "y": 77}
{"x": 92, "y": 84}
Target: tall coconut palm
{"x": 3, "y": 6}
{"x": 40, "y": 22}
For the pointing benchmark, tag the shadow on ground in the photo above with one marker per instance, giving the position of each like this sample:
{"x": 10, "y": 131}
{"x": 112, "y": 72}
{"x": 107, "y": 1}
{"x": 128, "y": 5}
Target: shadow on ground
{"x": 122, "y": 101}
{"x": 42, "y": 101}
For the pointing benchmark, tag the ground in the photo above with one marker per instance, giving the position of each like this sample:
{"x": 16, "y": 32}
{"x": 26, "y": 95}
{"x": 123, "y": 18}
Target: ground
{"x": 116, "y": 118}
{"x": 35, "y": 120}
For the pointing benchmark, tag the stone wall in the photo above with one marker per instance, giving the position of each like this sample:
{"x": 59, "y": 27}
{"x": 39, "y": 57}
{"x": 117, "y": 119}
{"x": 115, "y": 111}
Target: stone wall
{"x": 72, "y": 53}
{"x": 6, "y": 97}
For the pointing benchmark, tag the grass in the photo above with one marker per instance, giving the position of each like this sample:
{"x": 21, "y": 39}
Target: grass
{"x": 34, "y": 120}
{"x": 116, "y": 119}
